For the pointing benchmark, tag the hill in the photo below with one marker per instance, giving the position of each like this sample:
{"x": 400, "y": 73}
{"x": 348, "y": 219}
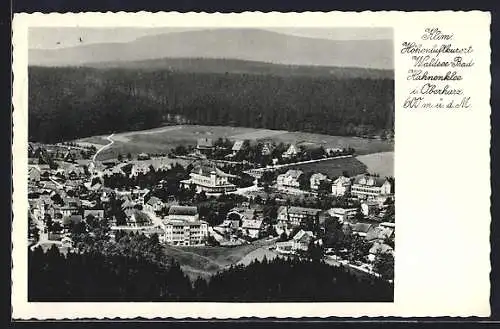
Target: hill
{"x": 243, "y": 44}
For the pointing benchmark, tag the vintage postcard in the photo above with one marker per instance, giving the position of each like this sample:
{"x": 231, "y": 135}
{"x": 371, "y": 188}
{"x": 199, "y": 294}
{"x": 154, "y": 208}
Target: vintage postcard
{"x": 201, "y": 165}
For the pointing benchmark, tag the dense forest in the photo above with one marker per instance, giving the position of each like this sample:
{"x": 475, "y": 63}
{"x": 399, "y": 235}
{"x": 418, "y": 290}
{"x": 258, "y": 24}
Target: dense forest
{"x": 67, "y": 103}
{"x": 93, "y": 276}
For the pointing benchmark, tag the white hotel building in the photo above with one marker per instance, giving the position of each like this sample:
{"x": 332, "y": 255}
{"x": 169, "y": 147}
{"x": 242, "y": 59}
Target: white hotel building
{"x": 180, "y": 232}
{"x": 369, "y": 187}
{"x": 210, "y": 179}
{"x": 183, "y": 227}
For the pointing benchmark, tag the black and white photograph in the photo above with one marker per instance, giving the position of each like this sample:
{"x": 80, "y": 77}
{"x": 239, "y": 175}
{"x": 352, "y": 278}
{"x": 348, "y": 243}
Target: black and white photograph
{"x": 211, "y": 164}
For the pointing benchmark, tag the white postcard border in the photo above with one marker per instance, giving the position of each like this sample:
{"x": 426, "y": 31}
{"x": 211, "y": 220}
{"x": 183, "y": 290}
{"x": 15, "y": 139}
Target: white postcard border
{"x": 425, "y": 285}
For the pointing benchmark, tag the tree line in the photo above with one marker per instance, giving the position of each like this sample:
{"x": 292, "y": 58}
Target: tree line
{"x": 94, "y": 276}
{"x": 67, "y": 103}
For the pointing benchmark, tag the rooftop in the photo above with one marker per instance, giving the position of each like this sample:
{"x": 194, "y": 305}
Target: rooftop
{"x": 301, "y": 210}
{"x": 252, "y": 224}
{"x": 183, "y": 210}
{"x": 294, "y": 173}
{"x": 237, "y": 145}
{"x": 369, "y": 180}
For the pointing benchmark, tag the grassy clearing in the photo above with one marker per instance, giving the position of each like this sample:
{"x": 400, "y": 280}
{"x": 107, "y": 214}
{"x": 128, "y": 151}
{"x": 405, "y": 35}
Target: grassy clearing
{"x": 258, "y": 255}
{"x": 100, "y": 140}
{"x": 161, "y": 140}
{"x": 334, "y": 167}
{"x": 205, "y": 261}
{"x": 361, "y": 145}
{"x": 379, "y": 163}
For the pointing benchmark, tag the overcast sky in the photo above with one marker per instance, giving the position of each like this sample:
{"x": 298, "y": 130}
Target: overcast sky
{"x": 49, "y": 38}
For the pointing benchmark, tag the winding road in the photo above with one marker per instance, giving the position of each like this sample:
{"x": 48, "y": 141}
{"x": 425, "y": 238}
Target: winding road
{"x": 111, "y": 141}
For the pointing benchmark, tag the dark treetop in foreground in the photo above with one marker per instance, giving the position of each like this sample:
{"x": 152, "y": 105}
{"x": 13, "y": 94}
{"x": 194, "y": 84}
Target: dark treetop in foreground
{"x": 94, "y": 276}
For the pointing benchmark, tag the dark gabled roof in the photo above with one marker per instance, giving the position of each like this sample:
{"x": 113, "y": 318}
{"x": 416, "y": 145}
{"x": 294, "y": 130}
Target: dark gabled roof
{"x": 183, "y": 210}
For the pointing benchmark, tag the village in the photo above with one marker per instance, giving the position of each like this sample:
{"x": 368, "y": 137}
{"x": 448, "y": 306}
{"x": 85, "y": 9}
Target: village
{"x": 217, "y": 193}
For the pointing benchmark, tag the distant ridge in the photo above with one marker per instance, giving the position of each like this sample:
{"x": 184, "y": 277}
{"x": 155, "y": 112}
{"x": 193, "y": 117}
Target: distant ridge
{"x": 213, "y": 65}
{"x": 241, "y": 44}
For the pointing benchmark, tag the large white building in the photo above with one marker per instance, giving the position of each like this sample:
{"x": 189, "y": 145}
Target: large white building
{"x": 185, "y": 233}
{"x": 341, "y": 186}
{"x": 209, "y": 178}
{"x": 368, "y": 187}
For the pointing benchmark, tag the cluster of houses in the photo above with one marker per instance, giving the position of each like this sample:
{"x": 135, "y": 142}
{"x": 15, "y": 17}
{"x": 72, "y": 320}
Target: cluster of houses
{"x": 205, "y": 148}
{"x": 362, "y": 186}
{"x": 52, "y": 190}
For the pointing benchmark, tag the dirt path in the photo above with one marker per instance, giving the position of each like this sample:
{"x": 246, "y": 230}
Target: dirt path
{"x": 123, "y": 137}
{"x": 111, "y": 141}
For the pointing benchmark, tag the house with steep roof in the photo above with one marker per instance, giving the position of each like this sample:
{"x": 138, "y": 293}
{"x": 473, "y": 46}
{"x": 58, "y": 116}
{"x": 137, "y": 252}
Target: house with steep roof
{"x": 341, "y": 186}
{"x": 290, "y": 152}
{"x": 136, "y": 218}
{"x": 34, "y": 174}
{"x": 316, "y": 179}
{"x": 252, "y": 227}
{"x": 153, "y": 205}
{"x": 300, "y": 242}
{"x": 289, "y": 179}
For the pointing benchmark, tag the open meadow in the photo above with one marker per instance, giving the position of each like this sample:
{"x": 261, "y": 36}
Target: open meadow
{"x": 379, "y": 163}
{"x": 333, "y": 167}
{"x": 205, "y": 261}
{"x": 162, "y": 139}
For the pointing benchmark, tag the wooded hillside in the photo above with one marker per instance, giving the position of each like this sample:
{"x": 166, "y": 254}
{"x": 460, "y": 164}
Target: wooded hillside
{"x": 68, "y": 103}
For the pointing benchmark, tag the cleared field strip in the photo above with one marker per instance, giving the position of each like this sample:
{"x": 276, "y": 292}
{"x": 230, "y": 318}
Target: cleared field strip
{"x": 163, "y": 139}
{"x": 380, "y": 163}
{"x": 259, "y": 134}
